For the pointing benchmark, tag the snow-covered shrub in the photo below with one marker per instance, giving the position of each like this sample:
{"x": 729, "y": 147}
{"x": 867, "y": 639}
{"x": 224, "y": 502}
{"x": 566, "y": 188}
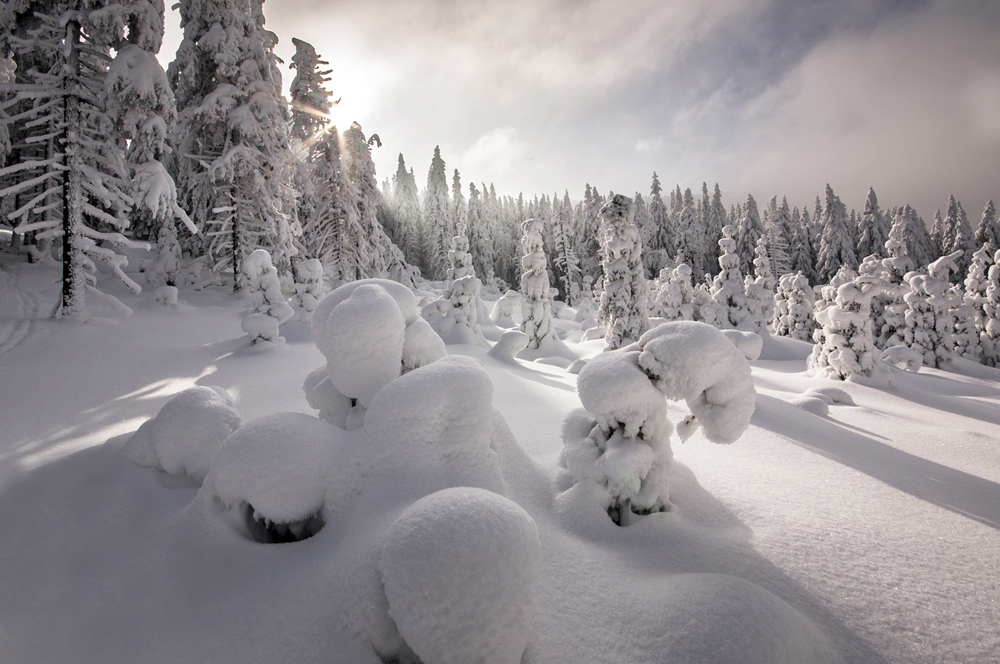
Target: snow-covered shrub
{"x": 929, "y": 320}
{"x": 308, "y": 276}
{"x": 502, "y": 313}
{"x": 536, "y": 308}
{"x": 370, "y": 334}
{"x": 845, "y": 346}
{"x": 455, "y": 316}
{"x": 268, "y": 308}
{"x": 793, "y": 307}
{"x": 459, "y": 569}
{"x": 623, "y": 301}
{"x": 618, "y": 447}
{"x": 185, "y": 434}
{"x": 729, "y": 307}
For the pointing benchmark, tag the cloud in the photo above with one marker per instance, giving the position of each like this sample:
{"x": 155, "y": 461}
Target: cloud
{"x": 493, "y": 155}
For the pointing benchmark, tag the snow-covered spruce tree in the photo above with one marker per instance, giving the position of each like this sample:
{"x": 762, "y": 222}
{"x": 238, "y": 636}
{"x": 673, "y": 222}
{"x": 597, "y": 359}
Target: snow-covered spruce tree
{"x": 589, "y": 250}
{"x": 566, "y": 263}
{"x": 406, "y": 212}
{"x": 437, "y": 218}
{"x": 970, "y": 314}
{"x": 918, "y": 240}
{"x": 989, "y": 338}
{"x": 803, "y": 258}
{"x": 674, "y": 296}
{"x": 965, "y": 337}
{"x": 873, "y": 228}
{"x": 988, "y": 231}
{"x": 658, "y": 246}
{"x": 760, "y": 289}
{"x": 268, "y": 308}
{"x": 793, "y": 308}
{"x": 536, "y": 309}
{"x": 617, "y": 448}
{"x": 308, "y": 280}
{"x": 962, "y": 239}
{"x": 455, "y": 315}
{"x": 929, "y": 320}
{"x": 749, "y": 232}
{"x": 779, "y": 236}
{"x": 72, "y": 124}
{"x": 691, "y": 235}
{"x": 310, "y": 100}
{"x": 623, "y": 302}
{"x": 378, "y": 256}
{"x": 845, "y": 345}
{"x": 836, "y": 247}
{"x": 728, "y": 308}
{"x": 937, "y": 234}
{"x": 896, "y": 266}
{"x": 235, "y": 165}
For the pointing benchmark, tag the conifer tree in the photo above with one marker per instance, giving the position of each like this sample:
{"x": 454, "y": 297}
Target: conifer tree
{"x": 310, "y": 101}
{"x": 437, "y": 216}
{"x": 568, "y": 268}
{"x": 988, "y": 231}
{"x": 335, "y": 219}
{"x": 590, "y": 253}
{"x": 660, "y": 246}
{"x": 234, "y": 164}
{"x": 750, "y": 230}
{"x": 802, "y": 257}
{"x": 536, "y": 308}
{"x": 845, "y": 341}
{"x": 728, "y": 308}
{"x": 793, "y": 307}
{"x": 962, "y": 240}
{"x": 874, "y": 231}
{"x": 836, "y": 248}
{"x": 937, "y": 234}
{"x": 691, "y": 235}
{"x": 989, "y": 338}
{"x": 929, "y": 320}
{"x": 623, "y": 302}
{"x": 406, "y": 212}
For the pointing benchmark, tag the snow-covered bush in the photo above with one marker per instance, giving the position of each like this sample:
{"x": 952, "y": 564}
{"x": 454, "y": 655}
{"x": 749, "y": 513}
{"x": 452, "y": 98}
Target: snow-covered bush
{"x": 845, "y": 345}
{"x": 370, "y": 334}
{"x": 185, "y": 434}
{"x": 308, "y": 277}
{"x": 793, "y": 307}
{"x": 451, "y": 606}
{"x": 536, "y": 308}
{"x": 673, "y": 296}
{"x": 618, "y": 447}
{"x": 455, "y": 315}
{"x": 623, "y": 301}
{"x": 268, "y": 308}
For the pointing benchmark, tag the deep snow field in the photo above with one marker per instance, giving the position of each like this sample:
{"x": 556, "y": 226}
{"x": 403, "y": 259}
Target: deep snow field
{"x": 870, "y": 533}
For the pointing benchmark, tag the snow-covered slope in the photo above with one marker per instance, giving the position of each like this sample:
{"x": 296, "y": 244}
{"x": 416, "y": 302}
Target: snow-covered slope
{"x": 865, "y": 531}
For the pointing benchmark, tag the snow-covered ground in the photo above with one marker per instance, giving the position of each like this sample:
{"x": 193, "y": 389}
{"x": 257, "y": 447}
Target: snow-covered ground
{"x": 870, "y": 533}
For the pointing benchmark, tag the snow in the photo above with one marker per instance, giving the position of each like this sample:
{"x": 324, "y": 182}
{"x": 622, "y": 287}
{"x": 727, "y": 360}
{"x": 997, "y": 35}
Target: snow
{"x": 459, "y": 568}
{"x": 870, "y": 534}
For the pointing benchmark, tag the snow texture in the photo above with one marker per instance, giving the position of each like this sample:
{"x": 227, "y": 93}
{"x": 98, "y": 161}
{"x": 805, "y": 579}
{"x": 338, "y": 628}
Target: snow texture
{"x": 459, "y": 569}
{"x": 510, "y": 344}
{"x": 748, "y": 343}
{"x": 185, "y": 434}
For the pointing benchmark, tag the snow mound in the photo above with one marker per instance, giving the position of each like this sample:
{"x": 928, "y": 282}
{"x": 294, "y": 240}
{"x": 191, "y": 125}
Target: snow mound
{"x": 430, "y": 429}
{"x": 279, "y": 465}
{"x": 166, "y": 295}
{"x": 812, "y": 404}
{"x": 749, "y": 343}
{"x": 459, "y": 569}
{"x": 903, "y": 357}
{"x": 576, "y": 366}
{"x": 831, "y": 395}
{"x": 502, "y": 313}
{"x": 510, "y": 343}
{"x": 185, "y": 434}
{"x": 370, "y": 333}
{"x": 697, "y": 363}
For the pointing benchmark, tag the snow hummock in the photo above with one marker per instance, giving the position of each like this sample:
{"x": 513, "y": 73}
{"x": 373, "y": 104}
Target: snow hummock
{"x": 459, "y": 568}
{"x": 185, "y": 434}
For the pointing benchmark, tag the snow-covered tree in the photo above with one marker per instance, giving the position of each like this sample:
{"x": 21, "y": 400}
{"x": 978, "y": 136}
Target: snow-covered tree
{"x": 988, "y": 231}
{"x": 760, "y": 289}
{"x": 845, "y": 344}
{"x": 589, "y": 233}
{"x": 310, "y": 112}
{"x": 989, "y": 337}
{"x": 691, "y": 235}
{"x": 658, "y": 244}
{"x": 975, "y": 298}
{"x": 308, "y": 280}
{"x": 728, "y": 308}
{"x": 455, "y": 315}
{"x": 961, "y": 238}
{"x": 873, "y": 229}
{"x": 536, "y": 308}
{"x": 937, "y": 234}
{"x": 750, "y": 230}
{"x": 334, "y": 219}
{"x": 836, "y": 247}
{"x": 268, "y": 308}
{"x": 802, "y": 258}
{"x": 406, "y": 212}
{"x": 793, "y": 307}
{"x": 929, "y": 321}
{"x": 623, "y": 302}
{"x": 781, "y": 236}
{"x": 234, "y": 159}
{"x": 565, "y": 260}
{"x": 673, "y": 296}
{"x": 437, "y": 218}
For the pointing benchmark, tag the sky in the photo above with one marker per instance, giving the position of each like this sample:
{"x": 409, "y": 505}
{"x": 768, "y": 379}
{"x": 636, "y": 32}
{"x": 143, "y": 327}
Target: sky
{"x": 765, "y": 97}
